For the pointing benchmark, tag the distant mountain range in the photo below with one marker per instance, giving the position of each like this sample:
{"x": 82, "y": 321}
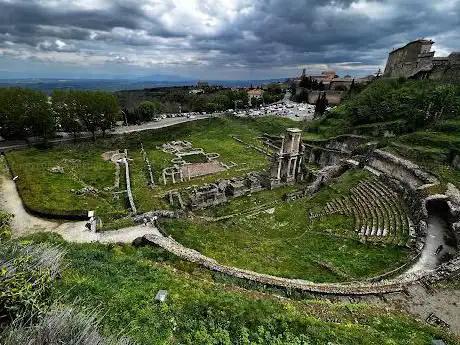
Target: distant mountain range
{"x": 48, "y": 85}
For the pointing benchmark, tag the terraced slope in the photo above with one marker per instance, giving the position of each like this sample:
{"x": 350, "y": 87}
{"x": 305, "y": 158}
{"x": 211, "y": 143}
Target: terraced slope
{"x": 378, "y": 211}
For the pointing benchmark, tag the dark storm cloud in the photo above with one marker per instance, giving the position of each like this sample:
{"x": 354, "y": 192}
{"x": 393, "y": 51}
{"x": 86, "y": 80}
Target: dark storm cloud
{"x": 266, "y": 34}
{"x": 14, "y": 13}
{"x": 295, "y": 32}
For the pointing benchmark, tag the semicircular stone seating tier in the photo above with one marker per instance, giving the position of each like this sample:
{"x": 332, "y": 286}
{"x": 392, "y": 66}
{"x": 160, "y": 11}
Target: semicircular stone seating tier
{"x": 378, "y": 211}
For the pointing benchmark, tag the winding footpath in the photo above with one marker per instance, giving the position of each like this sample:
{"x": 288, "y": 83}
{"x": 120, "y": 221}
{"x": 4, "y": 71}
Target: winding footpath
{"x": 24, "y": 223}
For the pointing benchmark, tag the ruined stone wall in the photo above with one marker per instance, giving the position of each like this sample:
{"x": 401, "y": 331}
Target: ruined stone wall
{"x": 345, "y": 143}
{"x": 325, "y": 175}
{"x": 332, "y": 96}
{"x": 402, "y": 170}
{"x": 406, "y": 60}
{"x": 323, "y": 156}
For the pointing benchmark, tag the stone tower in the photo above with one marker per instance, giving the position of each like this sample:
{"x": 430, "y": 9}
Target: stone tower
{"x": 286, "y": 163}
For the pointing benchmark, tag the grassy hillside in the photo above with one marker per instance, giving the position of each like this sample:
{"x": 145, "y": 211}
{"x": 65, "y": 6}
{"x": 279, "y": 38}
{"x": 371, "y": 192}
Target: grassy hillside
{"x": 121, "y": 282}
{"x": 418, "y": 119}
{"x": 399, "y": 106}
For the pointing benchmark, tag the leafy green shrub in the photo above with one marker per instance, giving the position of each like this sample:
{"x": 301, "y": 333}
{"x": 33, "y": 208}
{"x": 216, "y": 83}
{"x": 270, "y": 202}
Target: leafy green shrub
{"x": 418, "y": 102}
{"x": 5, "y": 229}
{"x": 26, "y": 274}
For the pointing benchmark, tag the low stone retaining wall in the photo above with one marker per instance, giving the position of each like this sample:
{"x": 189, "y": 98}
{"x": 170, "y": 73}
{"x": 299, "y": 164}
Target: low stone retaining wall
{"x": 365, "y": 288}
{"x": 148, "y": 166}
{"x": 128, "y": 184}
{"x": 43, "y": 213}
{"x": 397, "y": 284}
{"x": 344, "y": 143}
{"x": 258, "y": 149}
{"x": 159, "y": 213}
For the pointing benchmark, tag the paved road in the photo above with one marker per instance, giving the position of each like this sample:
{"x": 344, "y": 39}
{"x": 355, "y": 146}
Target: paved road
{"x": 9, "y": 145}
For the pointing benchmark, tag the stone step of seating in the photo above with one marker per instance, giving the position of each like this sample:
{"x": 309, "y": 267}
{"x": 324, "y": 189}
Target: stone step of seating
{"x": 369, "y": 210}
{"x": 377, "y": 211}
{"x": 380, "y": 205}
{"x": 359, "y": 210}
{"x": 385, "y": 189}
{"x": 393, "y": 210}
{"x": 357, "y": 220}
{"x": 384, "y": 212}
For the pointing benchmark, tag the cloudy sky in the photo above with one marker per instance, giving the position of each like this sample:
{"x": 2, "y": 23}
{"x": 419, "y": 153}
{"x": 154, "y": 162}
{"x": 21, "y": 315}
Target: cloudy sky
{"x": 214, "y": 39}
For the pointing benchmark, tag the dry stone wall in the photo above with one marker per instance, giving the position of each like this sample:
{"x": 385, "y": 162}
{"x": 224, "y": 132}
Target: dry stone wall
{"x": 402, "y": 170}
{"x": 365, "y": 288}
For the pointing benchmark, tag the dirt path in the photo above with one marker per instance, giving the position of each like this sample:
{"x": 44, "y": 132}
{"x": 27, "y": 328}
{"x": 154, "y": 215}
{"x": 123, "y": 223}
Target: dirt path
{"x": 24, "y": 223}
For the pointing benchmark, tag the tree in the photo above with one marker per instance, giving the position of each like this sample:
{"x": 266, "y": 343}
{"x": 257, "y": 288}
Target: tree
{"x": 147, "y": 111}
{"x": 303, "y": 82}
{"x": 110, "y": 112}
{"x": 293, "y": 90}
{"x": 12, "y": 118}
{"x": 65, "y": 110}
{"x": 40, "y": 117}
{"x": 352, "y": 86}
{"x": 321, "y": 86}
{"x": 105, "y": 108}
{"x": 85, "y": 109}
{"x": 302, "y": 97}
{"x": 25, "y": 112}
{"x": 321, "y": 104}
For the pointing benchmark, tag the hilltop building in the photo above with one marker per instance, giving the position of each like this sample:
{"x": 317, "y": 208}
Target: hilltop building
{"x": 416, "y": 60}
{"x": 255, "y": 93}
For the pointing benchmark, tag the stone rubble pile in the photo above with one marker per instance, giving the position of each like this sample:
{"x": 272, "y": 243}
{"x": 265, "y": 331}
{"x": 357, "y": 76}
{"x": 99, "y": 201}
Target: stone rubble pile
{"x": 87, "y": 190}
{"x": 56, "y": 170}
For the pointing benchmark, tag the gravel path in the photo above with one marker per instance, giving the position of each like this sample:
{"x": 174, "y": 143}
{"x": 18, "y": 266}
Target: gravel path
{"x": 436, "y": 236}
{"x": 24, "y": 223}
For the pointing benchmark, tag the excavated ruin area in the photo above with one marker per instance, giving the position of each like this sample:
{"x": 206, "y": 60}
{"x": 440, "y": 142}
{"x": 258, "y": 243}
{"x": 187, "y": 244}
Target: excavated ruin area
{"x": 202, "y": 169}
{"x": 370, "y": 223}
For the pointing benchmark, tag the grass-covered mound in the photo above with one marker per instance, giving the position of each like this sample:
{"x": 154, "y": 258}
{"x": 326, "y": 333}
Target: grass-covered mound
{"x": 394, "y": 105}
{"x": 121, "y": 282}
{"x": 280, "y": 239}
{"x": 83, "y": 164}
{"x": 417, "y": 119}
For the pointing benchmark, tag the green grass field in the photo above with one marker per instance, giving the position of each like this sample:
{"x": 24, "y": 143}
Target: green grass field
{"x": 431, "y": 149}
{"x": 120, "y": 283}
{"x": 83, "y": 164}
{"x": 286, "y": 243}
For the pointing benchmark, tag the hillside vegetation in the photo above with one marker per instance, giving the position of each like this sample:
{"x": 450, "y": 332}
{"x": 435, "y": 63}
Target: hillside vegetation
{"x": 121, "y": 283}
{"x": 397, "y": 105}
{"x": 418, "y": 119}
